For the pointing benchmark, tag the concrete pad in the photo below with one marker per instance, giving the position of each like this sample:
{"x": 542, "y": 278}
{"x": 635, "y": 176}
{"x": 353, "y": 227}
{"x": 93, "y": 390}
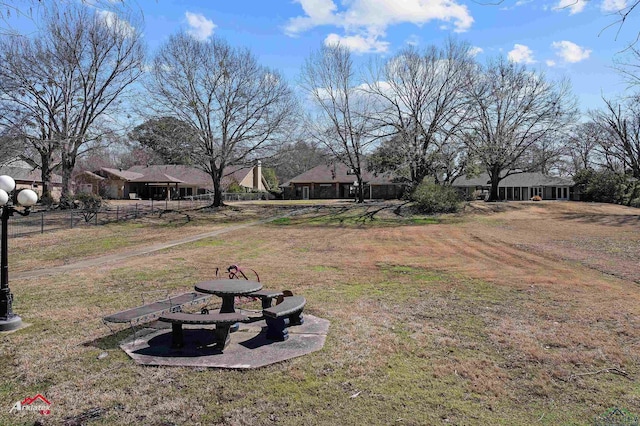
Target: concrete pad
{"x": 248, "y": 348}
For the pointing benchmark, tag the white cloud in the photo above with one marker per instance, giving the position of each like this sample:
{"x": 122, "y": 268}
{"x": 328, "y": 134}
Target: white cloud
{"x": 116, "y": 23}
{"x": 574, "y": 6}
{"x": 475, "y": 51}
{"x": 358, "y": 43}
{"x": 521, "y": 54}
{"x": 201, "y": 28}
{"x": 367, "y": 20}
{"x": 516, "y": 4}
{"x": 609, "y": 6}
{"x": 570, "y": 52}
{"x": 413, "y": 40}
{"x": 551, "y": 63}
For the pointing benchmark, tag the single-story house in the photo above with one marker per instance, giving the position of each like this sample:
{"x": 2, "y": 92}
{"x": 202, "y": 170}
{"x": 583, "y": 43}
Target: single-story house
{"x": 27, "y": 177}
{"x": 338, "y": 181}
{"x": 519, "y": 186}
{"x": 166, "y": 181}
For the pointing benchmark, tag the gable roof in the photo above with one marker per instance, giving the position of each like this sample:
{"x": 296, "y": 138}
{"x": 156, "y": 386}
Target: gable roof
{"x": 122, "y": 174}
{"x": 338, "y": 173}
{"x": 27, "y": 174}
{"x": 180, "y": 174}
{"x": 518, "y": 179}
{"x": 170, "y": 173}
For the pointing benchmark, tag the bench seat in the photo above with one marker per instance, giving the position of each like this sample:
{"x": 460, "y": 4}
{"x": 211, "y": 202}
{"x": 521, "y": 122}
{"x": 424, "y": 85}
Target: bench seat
{"x": 282, "y": 315}
{"x": 215, "y": 318}
{"x": 266, "y": 296}
{"x": 223, "y": 323}
{"x": 152, "y": 311}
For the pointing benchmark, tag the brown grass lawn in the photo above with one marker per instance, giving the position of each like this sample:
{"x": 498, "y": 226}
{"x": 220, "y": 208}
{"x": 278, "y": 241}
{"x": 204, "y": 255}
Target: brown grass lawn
{"x": 511, "y": 314}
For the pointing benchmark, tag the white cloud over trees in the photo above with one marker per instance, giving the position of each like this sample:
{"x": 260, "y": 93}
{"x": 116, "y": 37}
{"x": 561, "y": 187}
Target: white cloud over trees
{"x": 200, "y": 27}
{"x": 570, "y": 52}
{"x": 521, "y": 54}
{"x": 365, "y": 21}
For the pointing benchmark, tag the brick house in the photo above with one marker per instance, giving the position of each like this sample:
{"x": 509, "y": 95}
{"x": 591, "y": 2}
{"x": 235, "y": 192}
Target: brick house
{"x": 520, "y": 186}
{"x": 338, "y": 181}
{"x": 166, "y": 181}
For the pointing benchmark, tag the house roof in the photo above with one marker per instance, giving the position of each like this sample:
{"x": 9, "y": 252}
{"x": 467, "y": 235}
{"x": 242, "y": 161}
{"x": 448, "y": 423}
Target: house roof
{"x": 518, "y": 179}
{"x": 122, "y": 174}
{"x": 234, "y": 174}
{"x": 180, "y": 174}
{"x": 27, "y": 174}
{"x": 338, "y": 173}
{"x": 93, "y": 175}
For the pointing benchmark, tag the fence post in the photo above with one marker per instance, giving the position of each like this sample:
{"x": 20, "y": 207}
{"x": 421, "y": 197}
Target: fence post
{"x": 96, "y": 219}
{"x": 136, "y": 210}
{"x": 152, "y": 206}
{"x": 117, "y": 213}
{"x": 42, "y": 222}
{"x": 71, "y": 217}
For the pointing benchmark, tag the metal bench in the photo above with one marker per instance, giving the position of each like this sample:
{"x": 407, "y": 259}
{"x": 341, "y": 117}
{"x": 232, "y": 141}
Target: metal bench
{"x": 152, "y": 311}
{"x": 223, "y": 323}
{"x": 286, "y": 313}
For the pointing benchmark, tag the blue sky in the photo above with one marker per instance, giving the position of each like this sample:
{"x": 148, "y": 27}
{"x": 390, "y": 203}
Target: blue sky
{"x": 557, "y": 37}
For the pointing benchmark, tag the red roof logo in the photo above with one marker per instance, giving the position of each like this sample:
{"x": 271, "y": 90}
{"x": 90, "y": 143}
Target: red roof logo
{"x": 37, "y": 403}
{"x": 29, "y": 401}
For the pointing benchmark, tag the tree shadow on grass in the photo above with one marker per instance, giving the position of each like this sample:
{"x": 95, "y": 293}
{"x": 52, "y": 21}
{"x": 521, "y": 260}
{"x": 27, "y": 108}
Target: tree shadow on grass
{"x": 602, "y": 219}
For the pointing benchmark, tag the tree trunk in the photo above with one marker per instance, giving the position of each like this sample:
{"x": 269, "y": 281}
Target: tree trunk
{"x": 494, "y": 175}
{"x": 45, "y": 174}
{"x": 216, "y": 176}
{"x": 360, "y": 189}
{"x": 68, "y": 164}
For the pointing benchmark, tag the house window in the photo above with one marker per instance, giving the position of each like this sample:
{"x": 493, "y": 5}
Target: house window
{"x": 509, "y": 193}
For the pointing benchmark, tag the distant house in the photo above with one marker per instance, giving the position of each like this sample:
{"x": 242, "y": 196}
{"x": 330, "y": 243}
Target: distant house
{"x": 166, "y": 181}
{"x": 520, "y": 186}
{"x": 338, "y": 181}
{"x": 27, "y": 177}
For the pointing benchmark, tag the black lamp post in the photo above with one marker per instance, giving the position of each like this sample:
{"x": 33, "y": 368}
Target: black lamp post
{"x": 25, "y": 198}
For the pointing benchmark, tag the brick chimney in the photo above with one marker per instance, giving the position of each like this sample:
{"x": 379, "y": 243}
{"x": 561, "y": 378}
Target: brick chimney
{"x": 257, "y": 177}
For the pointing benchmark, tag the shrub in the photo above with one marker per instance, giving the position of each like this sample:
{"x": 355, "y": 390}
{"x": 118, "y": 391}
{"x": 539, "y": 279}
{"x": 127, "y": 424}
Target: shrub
{"x": 603, "y": 186}
{"x": 635, "y": 203}
{"x": 429, "y": 197}
{"x": 89, "y": 204}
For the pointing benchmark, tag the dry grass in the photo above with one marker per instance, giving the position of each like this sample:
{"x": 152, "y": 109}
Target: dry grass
{"x": 495, "y": 316}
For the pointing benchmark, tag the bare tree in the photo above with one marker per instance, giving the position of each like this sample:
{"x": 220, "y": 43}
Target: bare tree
{"x": 341, "y": 120}
{"x": 422, "y": 103}
{"x": 582, "y": 147}
{"x": 63, "y": 85}
{"x": 514, "y": 111}
{"x": 620, "y": 126}
{"x": 238, "y": 109}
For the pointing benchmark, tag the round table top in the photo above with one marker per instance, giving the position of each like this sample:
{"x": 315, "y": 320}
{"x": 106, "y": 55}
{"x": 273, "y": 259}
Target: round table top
{"x": 228, "y": 287}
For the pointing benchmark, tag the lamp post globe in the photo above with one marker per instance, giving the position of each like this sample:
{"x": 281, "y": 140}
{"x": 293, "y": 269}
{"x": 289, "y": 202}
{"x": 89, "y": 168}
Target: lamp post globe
{"x": 7, "y": 183}
{"x": 26, "y": 198}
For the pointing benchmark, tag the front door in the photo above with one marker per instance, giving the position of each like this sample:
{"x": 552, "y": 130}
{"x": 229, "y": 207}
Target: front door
{"x": 305, "y": 192}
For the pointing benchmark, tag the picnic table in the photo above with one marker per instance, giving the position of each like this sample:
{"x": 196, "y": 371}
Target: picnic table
{"x": 228, "y": 289}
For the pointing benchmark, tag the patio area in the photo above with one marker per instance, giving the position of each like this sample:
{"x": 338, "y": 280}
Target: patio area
{"x": 248, "y": 347}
